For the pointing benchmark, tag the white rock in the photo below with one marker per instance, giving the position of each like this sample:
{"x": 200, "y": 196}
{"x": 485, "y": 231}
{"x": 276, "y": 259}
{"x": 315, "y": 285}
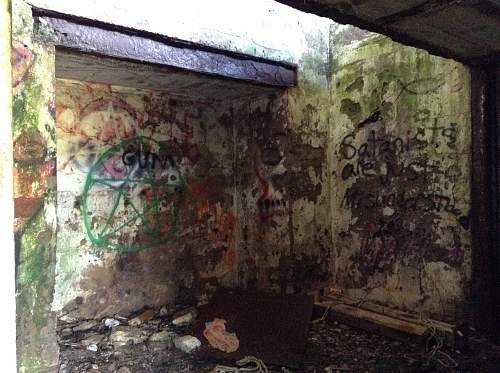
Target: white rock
{"x": 187, "y": 343}
{"x": 185, "y": 317}
{"x": 92, "y": 347}
{"x": 111, "y": 323}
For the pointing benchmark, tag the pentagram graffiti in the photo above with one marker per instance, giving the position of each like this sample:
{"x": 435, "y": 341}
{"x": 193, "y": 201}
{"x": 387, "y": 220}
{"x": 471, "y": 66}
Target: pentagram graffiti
{"x": 131, "y": 196}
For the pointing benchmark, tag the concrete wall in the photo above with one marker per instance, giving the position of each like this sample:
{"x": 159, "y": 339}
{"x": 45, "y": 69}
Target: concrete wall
{"x": 400, "y": 160}
{"x": 34, "y": 153}
{"x": 145, "y": 197}
{"x": 357, "y": 178}
{"x": 7, "y": 264}
{"x": 163, "y": 200}
{"x": 240, "y": 212}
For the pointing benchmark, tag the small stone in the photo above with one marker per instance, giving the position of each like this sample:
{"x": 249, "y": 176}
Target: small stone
{"x": 86, "y": 325}
{"x": 142, "y": 318}
{"x": 187, "y": 343}
{"x": 92, "y": 340}
{"x": 165, "y": 311}
{"x": 163, "y": 336}
{"x": 121, "y": 336}
{"x": 111, "y": 323}
{"x": 111, "y": 368}
{"x": 123, "y": 370}
{"x": 185, "y": 317}
{"x": 66, "y": 332}
{"x": 95, "y": 366}
{"x": 161, "y": 340}
{"x": 68, "y": 319}
{"x": 93, "y": 348}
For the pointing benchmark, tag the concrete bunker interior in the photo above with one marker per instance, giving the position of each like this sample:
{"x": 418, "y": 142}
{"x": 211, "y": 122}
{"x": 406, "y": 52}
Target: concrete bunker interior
{"x": 161, "y": 185}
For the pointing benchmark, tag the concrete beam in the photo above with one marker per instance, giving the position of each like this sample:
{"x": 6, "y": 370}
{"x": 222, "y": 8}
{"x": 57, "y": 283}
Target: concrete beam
{"x": 102, "y": 39}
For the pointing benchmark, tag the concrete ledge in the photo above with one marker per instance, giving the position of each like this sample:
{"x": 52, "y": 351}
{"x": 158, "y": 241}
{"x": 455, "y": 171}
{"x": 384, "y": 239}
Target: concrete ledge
{"x": 133, "y": 46}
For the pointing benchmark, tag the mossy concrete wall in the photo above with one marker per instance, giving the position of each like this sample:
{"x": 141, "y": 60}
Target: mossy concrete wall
{"x": 7, "y": 265}
{"x": 400, "y": 164}
{"x": 34, "y": 192}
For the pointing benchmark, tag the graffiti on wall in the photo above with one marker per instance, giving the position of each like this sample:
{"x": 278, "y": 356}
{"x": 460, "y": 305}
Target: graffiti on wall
{"x": 400, "y": 177}
{"x": 135, "y": 184}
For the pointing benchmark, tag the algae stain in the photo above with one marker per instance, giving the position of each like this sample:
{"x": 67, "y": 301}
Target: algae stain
{"x": 351, "y": 109}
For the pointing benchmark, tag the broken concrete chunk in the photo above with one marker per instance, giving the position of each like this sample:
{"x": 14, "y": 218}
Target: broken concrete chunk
{"x": 121, "y": 335}
{"x": 187, "y": 343}
{"x": 86, "y": 325}
{"x": 165, "y": 336}
{"x": 185, "y": 317}
{"x": 142, "y": 318}
{"x": 92, "y": 340}
{"x": 216, "y": 334}
{"x": 111, "y": 323}
{"x": 92, "y": 347}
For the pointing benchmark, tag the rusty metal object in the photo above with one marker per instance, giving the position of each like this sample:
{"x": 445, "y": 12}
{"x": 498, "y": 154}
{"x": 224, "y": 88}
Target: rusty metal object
{"x": 272, "y": 327}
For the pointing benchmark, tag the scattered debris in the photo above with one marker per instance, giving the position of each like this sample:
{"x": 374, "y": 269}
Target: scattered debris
{"x": 187, "y": 343}
{"x": 111, "y": 323}
{"x": 216, "y": 334}
{"x": 123, "y": 335}
{"x": 185, "y": 317}
{"x": 330, "y": 344}
{"x": 142, "y": 318}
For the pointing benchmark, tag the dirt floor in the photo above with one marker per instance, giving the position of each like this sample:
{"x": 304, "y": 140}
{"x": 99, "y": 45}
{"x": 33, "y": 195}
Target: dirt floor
{"x": 331, "y": 348}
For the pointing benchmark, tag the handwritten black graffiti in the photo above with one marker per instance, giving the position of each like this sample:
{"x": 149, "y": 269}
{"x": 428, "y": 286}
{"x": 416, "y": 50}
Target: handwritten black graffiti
{"x": 380, "y": 146}
{"x": 147, "y": 159}
{"x": 401, "y": 200}
{"x": 416, "y": 170}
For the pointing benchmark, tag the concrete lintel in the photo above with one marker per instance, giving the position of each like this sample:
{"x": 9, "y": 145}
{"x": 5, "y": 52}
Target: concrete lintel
{"x": 144, "y": 48}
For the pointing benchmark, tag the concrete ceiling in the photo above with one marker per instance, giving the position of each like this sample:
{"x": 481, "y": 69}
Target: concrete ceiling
{"x": 467, "y": 30}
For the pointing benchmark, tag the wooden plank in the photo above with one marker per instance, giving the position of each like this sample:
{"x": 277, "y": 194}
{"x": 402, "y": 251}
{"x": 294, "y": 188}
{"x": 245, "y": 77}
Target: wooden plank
{"x": 373, "y": 322}
{"x": 381, "y": 320}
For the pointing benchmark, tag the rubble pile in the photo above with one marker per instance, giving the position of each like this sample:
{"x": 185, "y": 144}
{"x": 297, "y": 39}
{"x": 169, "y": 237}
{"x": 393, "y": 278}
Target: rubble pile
{"x": 162, "y": 341}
